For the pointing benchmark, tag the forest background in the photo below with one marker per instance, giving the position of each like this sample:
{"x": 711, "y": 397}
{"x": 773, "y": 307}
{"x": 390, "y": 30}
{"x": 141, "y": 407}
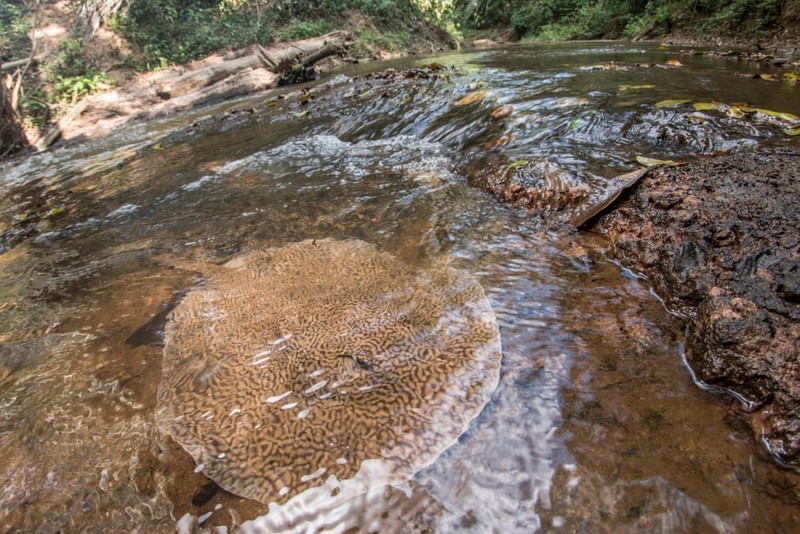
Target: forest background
{"x": 104, "y": 41}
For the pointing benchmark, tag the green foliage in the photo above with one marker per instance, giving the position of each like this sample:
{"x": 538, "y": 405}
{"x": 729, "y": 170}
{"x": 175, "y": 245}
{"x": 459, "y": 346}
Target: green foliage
{"x": 587, "y": 19}
{"x": 68, "y": 61}
{"x": 15, "y": 21}
{"x": 73, "y": 87}
{"x": 307, "y": 30}
{"x": 391, "y": 41}
{"x": 178, "y": 31}
{"x": 760, "y": 14}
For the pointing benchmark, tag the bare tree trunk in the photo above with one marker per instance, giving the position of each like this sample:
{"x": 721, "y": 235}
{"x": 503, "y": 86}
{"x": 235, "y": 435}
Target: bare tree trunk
{"x": 93, "y": 13}
{"x": 12, "y": 136}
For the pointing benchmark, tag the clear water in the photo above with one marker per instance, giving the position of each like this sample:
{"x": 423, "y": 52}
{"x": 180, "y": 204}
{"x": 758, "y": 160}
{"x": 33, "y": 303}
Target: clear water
{"x": 596, "y": 424}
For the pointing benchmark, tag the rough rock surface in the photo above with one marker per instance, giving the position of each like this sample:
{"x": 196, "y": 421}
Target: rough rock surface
{"x": 721, "y": 239}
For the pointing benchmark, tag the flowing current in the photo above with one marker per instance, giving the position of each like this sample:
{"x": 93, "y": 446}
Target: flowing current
{"x": 596, "y": 424}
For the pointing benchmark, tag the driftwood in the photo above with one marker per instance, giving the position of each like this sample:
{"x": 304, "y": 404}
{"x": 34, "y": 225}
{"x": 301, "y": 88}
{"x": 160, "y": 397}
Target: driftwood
{"x": 276, "y": 58}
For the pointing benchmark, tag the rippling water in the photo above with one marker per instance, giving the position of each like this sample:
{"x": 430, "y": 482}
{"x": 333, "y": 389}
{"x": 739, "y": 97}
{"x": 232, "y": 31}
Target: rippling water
{"x": 596, "y": 424}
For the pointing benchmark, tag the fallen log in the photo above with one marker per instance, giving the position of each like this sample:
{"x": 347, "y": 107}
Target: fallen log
{"x": 275, "y": 58}
{"x": 11, "y": 65}
{"x": 279, "y": 57}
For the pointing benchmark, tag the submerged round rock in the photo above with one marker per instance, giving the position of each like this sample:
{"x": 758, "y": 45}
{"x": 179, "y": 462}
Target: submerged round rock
{"x": 298, "y": 363}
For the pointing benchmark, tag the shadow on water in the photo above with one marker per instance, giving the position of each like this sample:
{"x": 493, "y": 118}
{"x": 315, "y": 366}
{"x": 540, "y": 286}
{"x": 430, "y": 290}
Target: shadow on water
{"x": 595, "y": 426}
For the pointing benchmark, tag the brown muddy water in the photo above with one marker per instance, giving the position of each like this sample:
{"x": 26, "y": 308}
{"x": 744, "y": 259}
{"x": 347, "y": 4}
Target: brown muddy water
{"x": 596, "y": 424}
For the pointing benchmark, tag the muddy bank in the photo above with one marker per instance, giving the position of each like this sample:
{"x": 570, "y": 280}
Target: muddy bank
{"x": 720, "y": 239}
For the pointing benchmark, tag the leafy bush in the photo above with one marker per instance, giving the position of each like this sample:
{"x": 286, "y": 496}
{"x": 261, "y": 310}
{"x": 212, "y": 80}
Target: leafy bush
{"x": 307, "y": 30}
{"x": 15, "y": 21}
{"x": 727, "y": 14}
{"x": 73, "y": 87}
{"x": 178, "y": 31}
{"x": 68, "y": 61}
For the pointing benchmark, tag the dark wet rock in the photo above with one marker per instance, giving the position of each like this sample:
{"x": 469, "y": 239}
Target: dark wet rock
{"x": 541, "y": 186}
{"x": 720, "y": 238}
{"x": 537, "y": 185}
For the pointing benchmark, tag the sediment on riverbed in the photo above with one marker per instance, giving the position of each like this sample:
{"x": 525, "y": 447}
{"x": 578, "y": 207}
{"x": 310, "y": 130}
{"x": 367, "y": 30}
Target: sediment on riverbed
{"x": 721, "y": 240}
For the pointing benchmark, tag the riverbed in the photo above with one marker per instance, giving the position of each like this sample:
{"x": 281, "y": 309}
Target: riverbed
{"x": 597, "y": 423}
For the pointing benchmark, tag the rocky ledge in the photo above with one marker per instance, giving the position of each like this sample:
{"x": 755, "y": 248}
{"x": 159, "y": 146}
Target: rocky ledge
{"x": 721, "y": 240}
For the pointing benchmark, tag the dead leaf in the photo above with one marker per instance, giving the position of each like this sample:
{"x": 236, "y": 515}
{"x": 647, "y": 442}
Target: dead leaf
{"x": 570, "y": 101}
{"x": 471, "y": 98}
{"x": 706, "y": 106}
{"x": 612, "y": 190}
{"x": 502, "y": 112}
{"x": 788, "y": 117}
{"x": 636, "y": 87}
{"x": 672, "y": 102}
{"x": 735, "y": 111}
{"x": 674, "y": 63}
{"x": 517, "y": 164}
{"x": 651, "y": 162}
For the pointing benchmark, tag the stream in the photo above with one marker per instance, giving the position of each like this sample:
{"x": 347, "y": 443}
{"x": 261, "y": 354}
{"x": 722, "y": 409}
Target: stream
{"x": 596, "y": 425}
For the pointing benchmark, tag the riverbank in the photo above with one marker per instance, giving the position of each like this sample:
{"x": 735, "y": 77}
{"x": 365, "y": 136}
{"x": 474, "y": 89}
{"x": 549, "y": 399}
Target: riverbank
{"x": 719, "y": 240}
{"x": 82, "y": 70}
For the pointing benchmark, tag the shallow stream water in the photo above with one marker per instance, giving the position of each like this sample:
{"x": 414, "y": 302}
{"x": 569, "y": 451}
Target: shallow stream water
{"x": 597, "y": 424}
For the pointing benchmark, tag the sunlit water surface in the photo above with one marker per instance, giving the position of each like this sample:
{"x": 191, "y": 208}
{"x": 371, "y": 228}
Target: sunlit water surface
{"x": 596, "y": 424}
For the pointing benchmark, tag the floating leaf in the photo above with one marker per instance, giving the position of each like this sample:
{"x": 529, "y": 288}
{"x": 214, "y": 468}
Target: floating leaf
{"x": 54, "y": 211}
{"x": 517, "y": 164}
{"x": 474, "y": 86}
{"x": 791, "y": 77}
{"x": 792, "y": 131}
{"x": 673, "y": 102}
{"x": 735, "y": 111}
{"x": 21, "y": 217}
{"x": 706, "y": 106}
{"x": 570, "y": 101}
{"x": 674, "y": 63}
{"x": 636, "y": 87}
{"x": 651, "y": 162}
{"x": 606, "y": 66}
{"x": 663, "y": 46}
{"x": 272, "y": 103}
{"x": 301, "y": 113}
{"x": 768, "y": 77}
{"x": 471, "y": 98}
{"x": 157, "y": 146}
{"x": 788, "y": 117}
